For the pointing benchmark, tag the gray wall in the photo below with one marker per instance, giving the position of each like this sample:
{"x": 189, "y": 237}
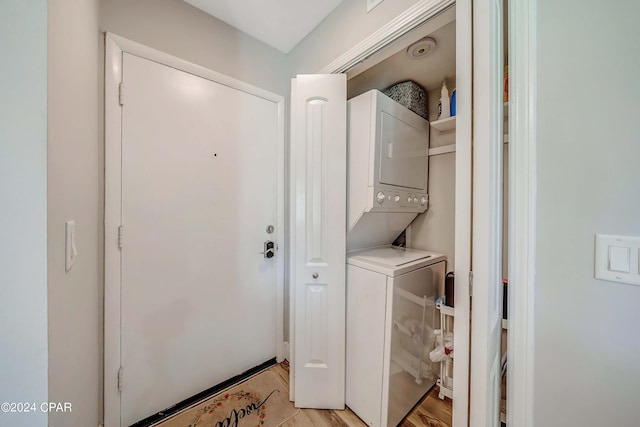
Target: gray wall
{"x": 344, "y": 28}
{"x": 587, "y": 331}
{"x": 23, "y": 211}
{"x": 76, "y": 162}
{"x": 180, "y": 29}
{"x": 75, "y": 178}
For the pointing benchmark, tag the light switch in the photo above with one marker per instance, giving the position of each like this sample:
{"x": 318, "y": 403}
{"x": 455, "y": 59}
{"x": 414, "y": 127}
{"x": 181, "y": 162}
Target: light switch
{"x": 619, "y": 258}
{"x": 69, "y": 244}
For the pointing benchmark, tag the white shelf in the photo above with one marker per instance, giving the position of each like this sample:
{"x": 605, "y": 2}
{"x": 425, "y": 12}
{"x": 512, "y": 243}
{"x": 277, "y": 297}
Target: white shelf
{"x": 444, "y": 124}
{"x": 451, "y": 148}
{"x": 445, "y": 309}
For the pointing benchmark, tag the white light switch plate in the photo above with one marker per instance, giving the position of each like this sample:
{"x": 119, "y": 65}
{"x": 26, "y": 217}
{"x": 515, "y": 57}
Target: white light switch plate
{"x": 69, "y": 244}
{"x": 617, "y": 259}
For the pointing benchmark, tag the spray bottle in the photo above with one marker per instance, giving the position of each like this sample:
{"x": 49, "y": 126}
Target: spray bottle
{"x": 444, "y": 105}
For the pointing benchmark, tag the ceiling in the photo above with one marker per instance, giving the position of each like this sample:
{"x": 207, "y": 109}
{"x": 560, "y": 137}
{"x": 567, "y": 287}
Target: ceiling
{"x": 428, "y": 72}
{"x": 278, "y": 23}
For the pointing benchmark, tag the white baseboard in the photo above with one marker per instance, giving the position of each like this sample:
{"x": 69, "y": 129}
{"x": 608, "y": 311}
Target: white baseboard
{"x": 285, "y": 348}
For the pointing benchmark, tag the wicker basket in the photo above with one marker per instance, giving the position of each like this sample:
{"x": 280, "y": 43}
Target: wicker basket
{"x": 411, "y": 95}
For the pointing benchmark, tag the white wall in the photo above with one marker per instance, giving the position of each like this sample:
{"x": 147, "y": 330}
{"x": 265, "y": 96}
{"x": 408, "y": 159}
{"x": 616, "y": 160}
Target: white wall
{"x": 75, "y": 176}
{"x": 344, "y": 28}
{"x": 434, "y": 229}
{"x": 180, "y": 29}
{"x": 587, "y": 331}
{"x": 23, "y": 215}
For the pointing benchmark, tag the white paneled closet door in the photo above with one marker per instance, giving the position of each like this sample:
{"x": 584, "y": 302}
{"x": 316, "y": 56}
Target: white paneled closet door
{"x": 318, "y": 224}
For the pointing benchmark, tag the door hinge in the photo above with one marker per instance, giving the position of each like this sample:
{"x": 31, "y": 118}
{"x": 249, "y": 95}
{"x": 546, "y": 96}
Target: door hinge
{"x": 121, "y": 93}
{"x": 120, "y": 237}
{"x": 471, "y": 283}
{"x": 120, "y": 379}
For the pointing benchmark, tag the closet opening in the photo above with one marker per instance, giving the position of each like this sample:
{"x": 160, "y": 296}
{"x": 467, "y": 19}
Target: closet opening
{"x": 412, "y": 71}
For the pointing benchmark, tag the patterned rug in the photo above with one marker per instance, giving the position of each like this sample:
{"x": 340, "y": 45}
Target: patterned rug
{"x": 261, "y": 401}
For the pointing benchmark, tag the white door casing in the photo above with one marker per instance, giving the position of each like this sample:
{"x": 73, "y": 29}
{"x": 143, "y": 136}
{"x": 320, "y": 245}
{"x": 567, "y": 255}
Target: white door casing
{"x": 486, "y": 316}
{"x": 522, "y": 208}
{"x": 318, "y": 227}
{"x": 463, "y": 217}
{"x": 187, "y": 262}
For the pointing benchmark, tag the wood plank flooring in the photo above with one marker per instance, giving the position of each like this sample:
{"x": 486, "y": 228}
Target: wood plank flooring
{"x": 431, "y": 412}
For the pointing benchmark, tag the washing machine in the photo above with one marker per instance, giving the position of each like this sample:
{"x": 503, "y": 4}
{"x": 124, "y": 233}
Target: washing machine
{"x": 391, "y": 293}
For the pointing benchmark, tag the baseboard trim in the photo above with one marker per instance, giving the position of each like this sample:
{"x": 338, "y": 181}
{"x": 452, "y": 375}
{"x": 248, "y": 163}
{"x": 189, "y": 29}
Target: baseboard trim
{"x": 285, "y": 350}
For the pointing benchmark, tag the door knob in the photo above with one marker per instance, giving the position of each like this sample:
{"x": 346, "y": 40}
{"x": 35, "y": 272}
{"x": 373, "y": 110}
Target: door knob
{"x": 315, "y": 275}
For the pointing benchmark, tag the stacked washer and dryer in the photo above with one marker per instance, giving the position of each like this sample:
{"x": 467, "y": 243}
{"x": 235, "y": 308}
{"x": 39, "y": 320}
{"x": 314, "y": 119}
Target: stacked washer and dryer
{"x": 391, "y": 291}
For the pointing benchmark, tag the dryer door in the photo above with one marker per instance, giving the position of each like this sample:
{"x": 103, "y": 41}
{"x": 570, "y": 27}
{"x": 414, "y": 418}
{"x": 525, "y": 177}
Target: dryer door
{"x": 404, "y": 151}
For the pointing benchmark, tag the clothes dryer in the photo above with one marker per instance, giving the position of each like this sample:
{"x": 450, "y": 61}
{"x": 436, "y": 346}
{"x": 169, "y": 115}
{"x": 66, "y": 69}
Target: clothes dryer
{"x": 388, "y": 169}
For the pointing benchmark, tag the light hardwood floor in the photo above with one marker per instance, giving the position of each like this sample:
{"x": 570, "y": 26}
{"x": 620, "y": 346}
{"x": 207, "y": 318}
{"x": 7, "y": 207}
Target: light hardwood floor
{"x": 431, "y": 412}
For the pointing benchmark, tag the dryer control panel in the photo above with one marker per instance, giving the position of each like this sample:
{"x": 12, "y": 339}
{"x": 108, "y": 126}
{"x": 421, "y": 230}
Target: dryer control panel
{"x": 386, "y": 200}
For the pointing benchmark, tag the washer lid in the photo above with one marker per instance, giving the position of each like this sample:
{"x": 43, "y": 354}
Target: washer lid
{"x": 392, "y": 256}
{"x": 392, "y": 260}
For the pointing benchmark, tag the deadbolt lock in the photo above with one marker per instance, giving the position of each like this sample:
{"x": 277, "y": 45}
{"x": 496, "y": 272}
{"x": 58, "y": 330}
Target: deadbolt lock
{"x": 269, "y": 249}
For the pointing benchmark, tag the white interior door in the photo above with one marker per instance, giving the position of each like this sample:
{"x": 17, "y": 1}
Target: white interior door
{"x": 486, "y": 316}
{"x": 199, "y": 187}
{"x": 318, "y": 188}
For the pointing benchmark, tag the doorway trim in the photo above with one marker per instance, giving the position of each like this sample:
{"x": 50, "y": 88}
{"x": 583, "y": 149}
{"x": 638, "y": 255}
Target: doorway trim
{"x": 395, "y": 29}
{"x": 522, "y": 210}
{"x": 115, "y": 46}
{"x": 405, "y": 22}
